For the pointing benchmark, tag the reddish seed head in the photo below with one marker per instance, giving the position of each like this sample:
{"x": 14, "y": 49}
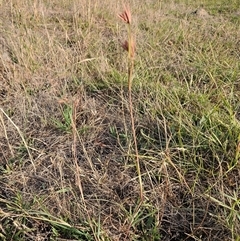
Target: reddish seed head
{"x": 125, "y": 45}
{"x": 126, "y": 16}
{"x": 129, "y": 47}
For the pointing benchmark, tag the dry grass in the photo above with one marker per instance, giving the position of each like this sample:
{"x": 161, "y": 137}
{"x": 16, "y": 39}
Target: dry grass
{"x": 66, "y": 148}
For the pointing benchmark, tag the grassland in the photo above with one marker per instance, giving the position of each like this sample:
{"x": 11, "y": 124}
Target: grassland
{"x": 67, "y": 155}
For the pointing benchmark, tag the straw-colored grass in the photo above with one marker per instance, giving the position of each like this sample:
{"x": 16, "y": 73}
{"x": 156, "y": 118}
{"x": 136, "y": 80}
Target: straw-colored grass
{"x": 98, "y": 145}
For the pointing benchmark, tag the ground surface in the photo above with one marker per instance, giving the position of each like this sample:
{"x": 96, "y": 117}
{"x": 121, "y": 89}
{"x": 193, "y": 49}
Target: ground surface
{"x": 67, "y": 158}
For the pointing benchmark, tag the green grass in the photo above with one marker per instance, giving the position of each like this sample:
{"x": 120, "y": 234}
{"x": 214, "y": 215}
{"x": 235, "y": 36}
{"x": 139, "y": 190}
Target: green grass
{"x": 67, "y": 154}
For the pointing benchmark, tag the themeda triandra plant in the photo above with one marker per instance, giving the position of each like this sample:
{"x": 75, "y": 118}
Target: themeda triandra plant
{"x": 129, "y": 46}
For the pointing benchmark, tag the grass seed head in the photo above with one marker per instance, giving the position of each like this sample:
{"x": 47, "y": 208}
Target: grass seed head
{"x": 129, "y": 46}
{"x": 126, "y": 15}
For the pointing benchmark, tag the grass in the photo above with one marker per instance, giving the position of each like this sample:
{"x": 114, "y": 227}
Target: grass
{"x": 67, "y": 149}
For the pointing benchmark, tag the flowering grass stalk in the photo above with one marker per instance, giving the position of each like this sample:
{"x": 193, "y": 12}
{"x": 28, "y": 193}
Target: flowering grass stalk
{"x": 129, "y": 46}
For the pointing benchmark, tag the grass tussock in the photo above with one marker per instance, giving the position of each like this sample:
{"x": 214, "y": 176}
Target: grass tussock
{"x": 92, "y": 150}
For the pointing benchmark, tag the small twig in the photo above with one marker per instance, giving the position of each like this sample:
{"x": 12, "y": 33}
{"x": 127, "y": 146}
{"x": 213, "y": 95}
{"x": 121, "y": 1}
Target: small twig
{"x": 74, "y": 146}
